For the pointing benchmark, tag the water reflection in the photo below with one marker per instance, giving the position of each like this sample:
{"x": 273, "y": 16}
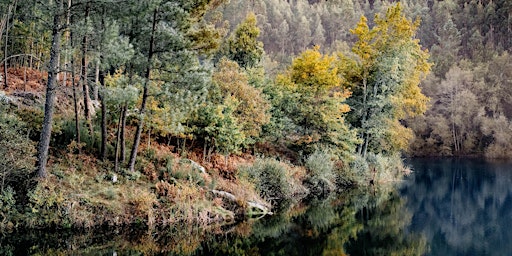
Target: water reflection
{"x": 360, "y": 223}
{"x": 463, "y": 207}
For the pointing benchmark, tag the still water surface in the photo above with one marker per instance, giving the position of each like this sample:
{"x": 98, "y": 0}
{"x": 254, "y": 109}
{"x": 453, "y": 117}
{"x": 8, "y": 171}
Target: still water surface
{"x": 446, "y": 207}
{"x": 461, "y": 206}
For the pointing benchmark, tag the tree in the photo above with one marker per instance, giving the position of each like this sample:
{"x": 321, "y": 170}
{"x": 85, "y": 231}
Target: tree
{"x": 165, "y": 33}
{"x": 243, "y": 46}
{"x": 51, "y": 87}
{"x": 235, "y": 111}
{"x": 389, "y": 66}
{"x": 312, "y": 98}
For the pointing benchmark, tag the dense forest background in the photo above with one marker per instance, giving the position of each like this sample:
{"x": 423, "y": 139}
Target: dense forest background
{"x": 469, "y": 43}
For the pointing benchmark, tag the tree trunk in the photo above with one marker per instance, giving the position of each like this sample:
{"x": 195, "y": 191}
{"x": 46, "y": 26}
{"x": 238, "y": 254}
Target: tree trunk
{"x": 44, "y": 142}
{"x": 118, "y": 141}
{"x": 123, "y": 128}
{"x": 75, "y": 105}
{"x": 136, "y": 141}
{"x": 96, "y": 81}
{"x": 6, "y": 84}
{"x": 103, "y": 148}
{"x": 73, "y": 84}
{"x": 364, "y": 112}
{"x": 85, "y": 84}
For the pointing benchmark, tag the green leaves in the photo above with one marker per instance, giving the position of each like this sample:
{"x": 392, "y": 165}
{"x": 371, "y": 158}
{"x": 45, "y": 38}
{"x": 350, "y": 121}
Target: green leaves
{"x": 312, "y": 99}
{"x": 386, "y": 89}
{"x": 235, "y": 111}
{"x": 243, "y": 46}
{"x": 16, "y": 150}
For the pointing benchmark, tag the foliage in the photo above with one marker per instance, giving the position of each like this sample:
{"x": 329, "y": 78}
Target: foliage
{"x": 270, "y": 177}
{"x": 243, "y": 46}
{"x": 16, "y": 151}
{"x": 235, "y": 111}
{"x": 8, "y": 212}
{"x": 321, "y": 177}
{"x": 311, "y": 99}
{"x": 386, "y": 89}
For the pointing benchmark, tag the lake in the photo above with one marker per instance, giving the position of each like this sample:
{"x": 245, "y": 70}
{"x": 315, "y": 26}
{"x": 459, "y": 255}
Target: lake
{"x": 461, "y": 206}
{"x": 445, "y": 207}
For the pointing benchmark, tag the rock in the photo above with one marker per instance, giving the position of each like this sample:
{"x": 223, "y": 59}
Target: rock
{"x": 196, "y": 166}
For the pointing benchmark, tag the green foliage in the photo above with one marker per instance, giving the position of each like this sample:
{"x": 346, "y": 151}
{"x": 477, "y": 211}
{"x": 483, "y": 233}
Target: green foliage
{"x": 120, "y": 91}
{"x": 235, "y": 111}
{"x": 321, "y": 176}
{"x": 243, "y": 46}
{"x": 310, "y": 96}
{"x": 16, "y": 152}
{"x": 270, "y": 177}
{"x": 391, "y": 64}
{"x": 45, "y": 208}
{"x": 8, "y": 211}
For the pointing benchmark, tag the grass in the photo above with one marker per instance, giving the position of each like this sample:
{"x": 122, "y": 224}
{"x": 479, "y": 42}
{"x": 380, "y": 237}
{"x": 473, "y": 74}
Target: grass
{"x": 79, "y": 193}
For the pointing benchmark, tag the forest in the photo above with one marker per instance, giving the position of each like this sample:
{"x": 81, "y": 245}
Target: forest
{"x": 115, "y": 112}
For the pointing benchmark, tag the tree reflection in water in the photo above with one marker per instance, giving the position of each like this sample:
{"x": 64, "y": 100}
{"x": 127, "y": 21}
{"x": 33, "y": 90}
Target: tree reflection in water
{"x": 359, "y": 223}
{"x": 463, "y": 206}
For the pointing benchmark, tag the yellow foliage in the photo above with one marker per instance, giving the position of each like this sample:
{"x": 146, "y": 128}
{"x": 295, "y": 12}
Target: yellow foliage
{"x": 250, "y": 107}
{"x": 390, "y": 66}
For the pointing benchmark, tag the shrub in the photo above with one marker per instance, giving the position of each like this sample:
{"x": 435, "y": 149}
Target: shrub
{"x": 270, "y": 178}
{"x": 8, "y": 210}
{"x": 16, "y": 152}
{"x": 321, "y": 177}
{"x": 359, "y": 170}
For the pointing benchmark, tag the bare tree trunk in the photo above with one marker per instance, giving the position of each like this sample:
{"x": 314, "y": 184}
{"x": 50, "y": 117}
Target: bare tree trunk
{"x": 136, "y": 141}
{"x": 103, "y": 148}
{"x": 75, "y": 103}
{"x": 95, "y": 95}
{"x": 100, "y": 81}
{"x": 6, "y": 84}
{"x": 118, "y": 142}
{"x": 73, "y": 84}
{"x": 85, "y": 84}
{"x": 123, "y": 129}
{"x": 44, "y": 142}
{"x": 364, "y": 113}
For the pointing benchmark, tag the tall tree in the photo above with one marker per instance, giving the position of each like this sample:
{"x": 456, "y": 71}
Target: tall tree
{"x": 243, "y": 46}
{"x": 51, "y": 87}
{"x": 167, "y": 38}
{"x": 389, "y": 66}
{"x": 310, "y": 102}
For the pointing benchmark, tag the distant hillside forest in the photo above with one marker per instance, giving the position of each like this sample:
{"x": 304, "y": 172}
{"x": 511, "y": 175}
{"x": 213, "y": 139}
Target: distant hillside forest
{"x": 469, "y": 41}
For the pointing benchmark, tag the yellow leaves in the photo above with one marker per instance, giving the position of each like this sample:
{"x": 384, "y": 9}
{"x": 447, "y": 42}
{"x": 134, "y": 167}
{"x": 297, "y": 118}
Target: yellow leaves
{"x": 314, "y": 72}
{"x": 388, "y": 69}
{"x": 344, "y": 108}
{"x": 249, "y": 105}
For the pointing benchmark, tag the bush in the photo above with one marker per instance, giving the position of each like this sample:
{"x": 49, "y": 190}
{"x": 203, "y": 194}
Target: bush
{"x": 8, "y": 210}
{"x": 16, "y": 152}
{"x": 376, "y": 168}
{"x": 359, "y": 170}
{"x": 270, "y": 177}
{"x": 321, "y": 177}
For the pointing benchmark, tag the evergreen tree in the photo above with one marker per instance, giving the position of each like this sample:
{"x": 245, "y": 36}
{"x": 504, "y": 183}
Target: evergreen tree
{"x": 243, "y": 46}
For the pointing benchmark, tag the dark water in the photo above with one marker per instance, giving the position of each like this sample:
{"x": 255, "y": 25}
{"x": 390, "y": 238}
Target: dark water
{"x": 446, "y": 207}
{"x": 461, "y": 206}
